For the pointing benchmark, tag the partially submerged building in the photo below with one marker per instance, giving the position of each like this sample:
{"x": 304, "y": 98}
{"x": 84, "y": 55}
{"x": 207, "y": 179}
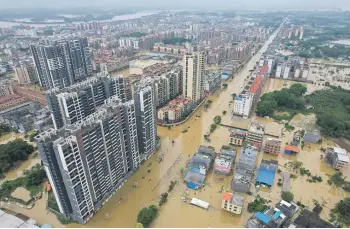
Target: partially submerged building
{"x": 16, "y": 220}
{"x": 309, "y": 219}
{"x": 236, "y": 137}
{"x": 200, "y": 203}
{"x": 337, "y": 158}
{"x": 289, "y": 150}
{"x": 224, "y": 160}
{"x": 266, "y": 173}
{"x": 273, "y": 146}
{"x": 199, "y": 167}
{"x": 244, "y": 170}
{"x": 232, "y": 203}
{"x": 255, "y": 135}
{"x": 273, "y": 217}
{"x": 313, "y": 136}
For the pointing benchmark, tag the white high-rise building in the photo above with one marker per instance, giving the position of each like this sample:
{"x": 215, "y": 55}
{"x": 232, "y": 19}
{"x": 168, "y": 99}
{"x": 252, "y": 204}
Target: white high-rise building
{"x": 286, "y": 72}
{"x": 193, "y": 73}
{"x": 243, "y": 104}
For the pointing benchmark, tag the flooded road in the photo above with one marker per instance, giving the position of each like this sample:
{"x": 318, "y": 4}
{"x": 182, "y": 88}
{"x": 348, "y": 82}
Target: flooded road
{"x": 153, "y": 178}
{"x": 122, "y": 209}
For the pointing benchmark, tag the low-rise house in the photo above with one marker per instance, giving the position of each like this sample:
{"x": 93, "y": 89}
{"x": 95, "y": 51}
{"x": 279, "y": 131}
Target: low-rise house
{"x": 236, "y": 137}
{"x": 273, "y": 146}
{"x": 337, "y": 157}
{"x": 266, "y": 173}
{"x": 274, "y": 217}
{"x": 289, "y": 150}
{"x": 309, "y": 219}
{"x": 232, "y": 203}
{"x": 244, "y": 170}
{"x": 255, "y": 135}
{"x": 312, "y": 136}
{"x": 199, "y": 167}
{"x": 224, "y": 160}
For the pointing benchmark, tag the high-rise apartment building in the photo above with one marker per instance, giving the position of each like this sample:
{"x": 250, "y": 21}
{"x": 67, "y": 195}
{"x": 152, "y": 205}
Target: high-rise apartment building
{"x": 62, "y": 63}
{"x": 193, "y": 75}
{"x": 72, "y": 104}
{"x": 88, "y": 161}
{"x": 144, "y": 97}
{"x": 21, "y": 74}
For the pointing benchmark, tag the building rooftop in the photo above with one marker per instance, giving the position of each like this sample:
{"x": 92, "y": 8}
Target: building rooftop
{"x": 340, "y": 151}
{"x": 308, "y": 219}
{"x": 234, "y": 199}
{"x": 265, "y": 176}
{"x": 16, "y": 221}
{"x": 292, "y": 148}
{"x": 256, "y": 85}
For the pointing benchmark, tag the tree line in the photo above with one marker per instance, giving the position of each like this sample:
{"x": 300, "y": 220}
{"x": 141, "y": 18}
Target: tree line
{"x": 332, "y": 107}
{"x": 12, "y": 152}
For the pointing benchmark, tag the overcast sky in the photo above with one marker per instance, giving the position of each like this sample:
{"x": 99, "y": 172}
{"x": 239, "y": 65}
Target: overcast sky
{"x": 234, "y": 4}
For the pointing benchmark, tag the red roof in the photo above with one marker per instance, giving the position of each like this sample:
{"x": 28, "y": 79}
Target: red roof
{"x": 255, "y": 86}
{"x": 263, "y": 70}
{"x": 292, "y": 148}
{"x": 227, "y": 196}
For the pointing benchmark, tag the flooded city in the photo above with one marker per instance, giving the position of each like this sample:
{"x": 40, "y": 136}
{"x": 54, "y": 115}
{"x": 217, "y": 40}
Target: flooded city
{"x": 178, "y": 145}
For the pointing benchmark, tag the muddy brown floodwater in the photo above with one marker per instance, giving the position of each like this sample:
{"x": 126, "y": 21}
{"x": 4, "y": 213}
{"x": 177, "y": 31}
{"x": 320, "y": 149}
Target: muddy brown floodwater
{"x": 153, "y": 178}
{"x": 122, "y": 209}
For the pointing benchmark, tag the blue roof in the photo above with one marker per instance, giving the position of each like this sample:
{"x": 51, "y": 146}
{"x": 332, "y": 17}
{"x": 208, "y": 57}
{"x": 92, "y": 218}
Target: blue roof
{"x": 276, "y": 215}
{"x": 265, "y": 176}
{"x": 238, "y": 98}
{"x": 262, "y": 217}
{"x": 46, "y": 226}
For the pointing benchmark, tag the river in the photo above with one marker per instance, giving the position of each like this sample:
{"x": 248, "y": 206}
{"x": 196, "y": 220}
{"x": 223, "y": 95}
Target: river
{"x": 123, "y": 17}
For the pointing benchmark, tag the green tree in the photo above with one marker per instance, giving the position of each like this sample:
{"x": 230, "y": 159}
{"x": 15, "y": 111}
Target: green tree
{"x": 233, "y": 95}
{"x": 35, "y": 176}
{"x": 147, "y": 215}
{"x": 12, "y": 152}
{"x": 298, "y": 89}
{"x": 258, "y": 205}
{"x": 217, "y": 119}
{"x": 287, "y": 196}
{"x": 139, "y": 225}
{"x": 266, "y": 107}
{"x": 163, "y": 198}
{"x": 342, "y": 210}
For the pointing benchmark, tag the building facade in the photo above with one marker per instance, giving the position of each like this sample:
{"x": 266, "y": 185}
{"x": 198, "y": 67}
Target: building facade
{"x": 62, "y": 63}
{"x": 273, "y": 146}
{"x": 146, "y": 118}
{"x": 71, "y": 104}
{"x": 232, "y": 203}
{"x": 193, "y": 75}
{"x": 21, "y": 74}
{"x": 88, "y": 161}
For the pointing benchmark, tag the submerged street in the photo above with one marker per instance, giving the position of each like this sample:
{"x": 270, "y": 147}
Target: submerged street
{"x": 153, "y": 178}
